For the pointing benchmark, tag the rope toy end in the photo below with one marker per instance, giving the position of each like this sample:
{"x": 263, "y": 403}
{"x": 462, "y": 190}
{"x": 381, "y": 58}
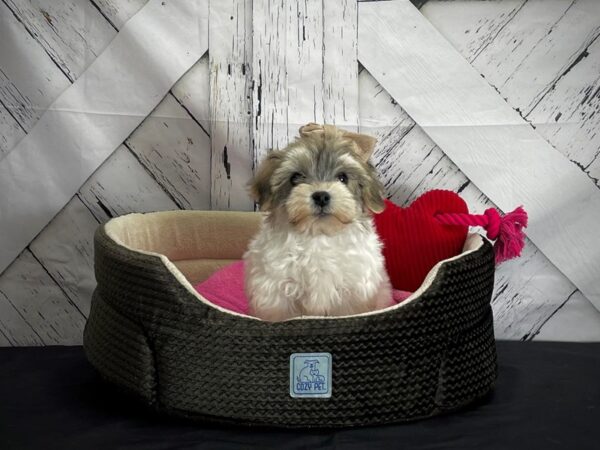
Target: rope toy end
{"x": 507, "y": 230}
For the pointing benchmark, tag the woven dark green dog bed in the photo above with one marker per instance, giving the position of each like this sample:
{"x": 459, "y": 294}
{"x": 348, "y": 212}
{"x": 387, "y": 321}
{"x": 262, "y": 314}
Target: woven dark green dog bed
{"x": 150, "y": 333}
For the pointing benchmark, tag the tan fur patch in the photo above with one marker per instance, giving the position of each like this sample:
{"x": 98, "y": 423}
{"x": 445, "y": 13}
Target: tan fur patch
{"x": 303, "y": 214}
{"x": 260, "y": 186}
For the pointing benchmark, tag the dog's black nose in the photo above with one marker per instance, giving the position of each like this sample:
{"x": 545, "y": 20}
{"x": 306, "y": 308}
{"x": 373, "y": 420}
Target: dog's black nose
{"x": 321, "y": 198}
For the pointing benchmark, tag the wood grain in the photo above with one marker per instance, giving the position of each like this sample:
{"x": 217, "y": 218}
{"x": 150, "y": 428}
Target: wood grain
{"x": 269, "y": 97}
{"x": 304, "y": 64}
{"x": 122, "y": 186}
{"x": 192, "y": 89}
{"x": 4, "y": 341}
{"x": 230, "y": 65}
{"x": 304, "y": 69}
{"x": 340, "y": 64}
{"x": 193, "y": 93}
{"x": 35, "y": 311}
{"x": 29, "y": 80}
{"x": 66, "y": 250}
{"x": 70, "y": 31}
{"x": 10, "y": 132}
{"x": 92, "y": 93}
{"x": 544, "y": 34}
{"x": 117, "y": 12}
{"x": 472, "y": 26}
{"x": 575, "y": 321}
{"x": 567, "y": 116}
{"x": 492, "y": 138}
{"x": 176, "y": 151}
{"x": 559, "y": 36}
{"x": 76, "y": 49}
{"x": 140, "y": 188}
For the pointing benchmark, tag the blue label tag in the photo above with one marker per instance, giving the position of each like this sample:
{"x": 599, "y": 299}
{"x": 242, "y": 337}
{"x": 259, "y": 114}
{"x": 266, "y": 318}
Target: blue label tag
{"x": 310, "y": 375}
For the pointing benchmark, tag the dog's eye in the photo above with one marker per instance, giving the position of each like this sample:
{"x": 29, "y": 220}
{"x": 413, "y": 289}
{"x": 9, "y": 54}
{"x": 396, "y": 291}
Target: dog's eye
{"x": 295, "y": 178}
{"x": 342, "y": 177}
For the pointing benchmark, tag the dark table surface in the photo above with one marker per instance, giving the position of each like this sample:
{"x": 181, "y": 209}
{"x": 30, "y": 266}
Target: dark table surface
{"x": 547, "y": 397}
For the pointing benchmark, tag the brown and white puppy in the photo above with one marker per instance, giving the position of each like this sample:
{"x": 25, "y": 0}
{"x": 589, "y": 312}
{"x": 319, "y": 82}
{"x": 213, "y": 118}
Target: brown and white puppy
{"x": 317, "y": 252}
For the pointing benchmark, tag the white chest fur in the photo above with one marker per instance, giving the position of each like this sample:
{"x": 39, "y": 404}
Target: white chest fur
{"x": 290, "y": 274}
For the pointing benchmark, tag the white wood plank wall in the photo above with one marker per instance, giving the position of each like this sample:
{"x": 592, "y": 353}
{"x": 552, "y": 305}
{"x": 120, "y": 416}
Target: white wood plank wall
{"x": 271, "y": 67}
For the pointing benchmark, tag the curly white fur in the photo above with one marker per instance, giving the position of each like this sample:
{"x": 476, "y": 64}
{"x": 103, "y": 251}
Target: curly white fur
{"x": 291, "y": 273}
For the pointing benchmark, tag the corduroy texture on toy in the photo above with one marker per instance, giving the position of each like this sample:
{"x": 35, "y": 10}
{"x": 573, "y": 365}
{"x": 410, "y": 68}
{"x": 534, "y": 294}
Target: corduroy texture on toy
{"x": 414, "y": 240}
{"x": 151, "y": 334}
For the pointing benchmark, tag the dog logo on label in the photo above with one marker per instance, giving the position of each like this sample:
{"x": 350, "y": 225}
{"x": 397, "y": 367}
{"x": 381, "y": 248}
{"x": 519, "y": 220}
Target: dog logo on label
{"x": 310, "y": 375}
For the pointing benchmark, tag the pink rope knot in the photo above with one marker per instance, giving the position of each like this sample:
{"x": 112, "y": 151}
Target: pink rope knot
{"x": 506, "y": 230}
{"x": 493, "y": 223}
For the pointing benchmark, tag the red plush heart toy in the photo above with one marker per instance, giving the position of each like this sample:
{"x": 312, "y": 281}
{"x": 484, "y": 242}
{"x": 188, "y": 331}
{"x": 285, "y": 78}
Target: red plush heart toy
{"x": 434, "y": 227}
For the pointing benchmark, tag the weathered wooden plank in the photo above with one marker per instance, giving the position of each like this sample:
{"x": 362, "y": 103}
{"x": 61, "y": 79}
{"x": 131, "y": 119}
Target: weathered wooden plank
{"x": 304, "y": 63}
{"x": 4, "y": 342}
{"x": 576, "y": 320}
{"x": 304, "y": 55}
{"x": 178, "y": 30}
{"x": 13, "y": 325}
{"x": 192, "y": 91}
{"x": 176, "y": 151}
{"x": 33, "y": 309}
{"x": 122, "y": 186}
{"x": 269, "y": 98}
{"x": 561, "y": 37}
{"x": 10, "y": 132}
{"x": 66, "y": 248}
{"x": 471, "y": 26}
{"x": 124, "y": 11}
{"x": 527, "y": 292}
{"x": 230, "y": 64}
{"x": 378, "y": 112}
{"x": 493, "y": 138}
{"x": 117, "y": 12}
{"x": 568, "y": 116}
{"x": 340, "y": 64}
{"x": 549, "y": 34}
{"x": 82, "y": 36}
{"x": 29, "y": 80}
{"x": 291, "y": 75}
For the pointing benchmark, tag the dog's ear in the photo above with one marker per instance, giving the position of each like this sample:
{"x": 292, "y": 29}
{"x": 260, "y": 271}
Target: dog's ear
{"x": 373, "y": 191}
{"x": 365, "y": 144}
{"x": 260, "y": 185}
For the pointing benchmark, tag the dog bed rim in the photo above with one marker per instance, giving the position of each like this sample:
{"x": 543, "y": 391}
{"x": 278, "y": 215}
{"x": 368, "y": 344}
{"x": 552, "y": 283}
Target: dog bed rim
{"x": 473, "y": 242}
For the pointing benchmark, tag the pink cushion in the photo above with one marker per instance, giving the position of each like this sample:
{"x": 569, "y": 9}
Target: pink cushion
{"x": 225, "y": 288}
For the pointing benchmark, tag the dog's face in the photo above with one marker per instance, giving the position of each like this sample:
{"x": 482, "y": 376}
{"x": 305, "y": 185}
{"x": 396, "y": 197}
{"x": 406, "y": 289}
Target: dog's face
{"x": 320, "y": 182}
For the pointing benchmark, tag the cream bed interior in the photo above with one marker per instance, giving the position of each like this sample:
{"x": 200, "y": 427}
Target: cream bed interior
{"x": 198, "y": 243}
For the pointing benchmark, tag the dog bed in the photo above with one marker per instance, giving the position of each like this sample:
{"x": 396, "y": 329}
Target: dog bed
{"x": 153, "y": 335}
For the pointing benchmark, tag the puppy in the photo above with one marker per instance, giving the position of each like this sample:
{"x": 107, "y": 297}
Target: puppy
{"x": 317, "y": 252}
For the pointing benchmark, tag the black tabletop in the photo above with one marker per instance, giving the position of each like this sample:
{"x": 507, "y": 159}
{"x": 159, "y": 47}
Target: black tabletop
{"x": 547, "y": 397}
